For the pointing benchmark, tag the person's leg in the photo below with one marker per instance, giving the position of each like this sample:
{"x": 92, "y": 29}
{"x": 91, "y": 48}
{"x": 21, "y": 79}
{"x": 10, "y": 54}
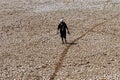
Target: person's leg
{"x": 62, "y": 37}
{"x": 65, "y": 41}
{"x": 62, "y": 40}
{"x": 65, "y": 38}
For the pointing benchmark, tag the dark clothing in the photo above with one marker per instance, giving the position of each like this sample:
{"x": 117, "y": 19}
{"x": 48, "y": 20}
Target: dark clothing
{"x": 62, "y": 26}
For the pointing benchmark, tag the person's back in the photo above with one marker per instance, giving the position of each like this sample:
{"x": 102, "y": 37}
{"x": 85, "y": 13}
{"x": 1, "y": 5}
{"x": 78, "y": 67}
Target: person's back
{"x": 63, "y": 27}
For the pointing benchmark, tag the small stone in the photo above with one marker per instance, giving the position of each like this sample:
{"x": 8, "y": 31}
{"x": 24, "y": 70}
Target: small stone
{"x": 105, "y": 54}
{"x": 112, "y": 60}
{"x": 88, "y": 62}
{"x": 44, "y": 66}
{"x": 19, "y": 66}
{"x": 37, "y": 68}
{"x": 5, "y": 68}
{"x": 104, "y": 66}
{"x": 109, "y": 63}
{"x": 105, "y": 19}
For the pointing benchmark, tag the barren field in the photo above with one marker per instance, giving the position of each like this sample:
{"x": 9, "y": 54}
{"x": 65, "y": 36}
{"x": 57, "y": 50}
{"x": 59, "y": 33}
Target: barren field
{"x": 30, "y": 49}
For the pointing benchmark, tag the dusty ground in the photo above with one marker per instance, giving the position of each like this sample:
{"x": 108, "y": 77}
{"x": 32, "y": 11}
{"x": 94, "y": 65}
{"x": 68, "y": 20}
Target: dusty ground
{"x": 30, "y": 49}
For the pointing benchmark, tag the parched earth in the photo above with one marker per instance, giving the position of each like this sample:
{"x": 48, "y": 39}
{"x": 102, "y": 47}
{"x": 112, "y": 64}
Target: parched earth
{"x": 30, "y": 49}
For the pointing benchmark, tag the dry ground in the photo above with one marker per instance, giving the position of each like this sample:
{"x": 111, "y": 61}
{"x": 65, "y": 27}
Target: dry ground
{"x": 30, "y": 49}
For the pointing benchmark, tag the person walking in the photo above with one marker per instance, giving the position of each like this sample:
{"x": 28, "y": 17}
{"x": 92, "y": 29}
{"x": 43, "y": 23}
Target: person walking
{"x": 63, "y": 27}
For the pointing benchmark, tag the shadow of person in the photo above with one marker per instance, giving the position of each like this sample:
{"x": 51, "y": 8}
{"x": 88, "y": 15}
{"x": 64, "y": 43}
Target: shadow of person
{"x": 71, "y": 43}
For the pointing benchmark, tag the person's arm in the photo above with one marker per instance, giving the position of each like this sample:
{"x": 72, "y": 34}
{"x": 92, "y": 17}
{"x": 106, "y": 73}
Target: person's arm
{"x": 58, "y": 28}
{"x": 67, "y": 29}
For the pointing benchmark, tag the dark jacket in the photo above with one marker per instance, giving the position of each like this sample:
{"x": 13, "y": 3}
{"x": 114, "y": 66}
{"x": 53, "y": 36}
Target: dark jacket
{"x": 62, "y": 26}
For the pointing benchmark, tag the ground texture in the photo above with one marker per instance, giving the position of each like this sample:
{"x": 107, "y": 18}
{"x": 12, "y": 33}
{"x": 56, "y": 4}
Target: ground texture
{"x": 30, "y": 49}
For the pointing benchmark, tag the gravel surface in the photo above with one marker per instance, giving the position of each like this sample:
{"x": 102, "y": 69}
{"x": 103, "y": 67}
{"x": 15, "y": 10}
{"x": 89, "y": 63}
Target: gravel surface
{"x": 30, "y": 49}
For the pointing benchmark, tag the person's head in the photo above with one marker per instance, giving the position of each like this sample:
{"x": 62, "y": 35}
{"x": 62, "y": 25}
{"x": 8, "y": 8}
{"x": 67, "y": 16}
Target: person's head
{"x": 61, "y": 20}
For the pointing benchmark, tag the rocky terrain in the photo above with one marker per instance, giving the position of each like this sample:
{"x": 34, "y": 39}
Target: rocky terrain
{"x": 30, "y": 49}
